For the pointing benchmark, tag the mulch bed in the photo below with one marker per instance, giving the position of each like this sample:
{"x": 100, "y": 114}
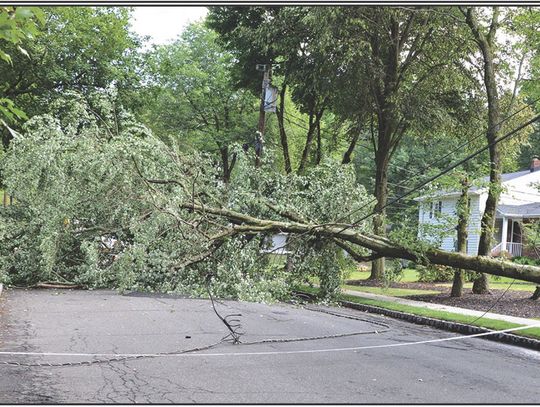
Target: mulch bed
{"x": 513, "y": 302}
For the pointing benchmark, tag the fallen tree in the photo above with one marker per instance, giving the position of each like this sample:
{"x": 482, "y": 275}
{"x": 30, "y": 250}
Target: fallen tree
{"x": 379, "y": 246}
{"x": 162, "y": 219}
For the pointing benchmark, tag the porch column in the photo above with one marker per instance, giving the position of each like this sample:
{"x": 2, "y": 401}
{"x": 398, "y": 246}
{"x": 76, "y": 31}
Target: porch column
{"x": 504, "y": 231}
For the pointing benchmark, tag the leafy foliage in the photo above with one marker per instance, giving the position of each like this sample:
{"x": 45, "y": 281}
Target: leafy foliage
{"x": 17, "y": 24}
{"x": 196, "y": 104}
{"x": 79, "y": 48}
{"x": 435, "y": 274}
{"x": 100, "y": 202}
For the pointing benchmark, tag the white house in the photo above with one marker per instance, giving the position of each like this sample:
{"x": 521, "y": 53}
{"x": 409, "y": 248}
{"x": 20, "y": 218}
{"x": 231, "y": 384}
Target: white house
{"x": 519, "y": 203}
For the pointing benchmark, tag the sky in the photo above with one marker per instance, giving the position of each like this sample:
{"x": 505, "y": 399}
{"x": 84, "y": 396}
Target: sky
{"x": 164, "y": 23}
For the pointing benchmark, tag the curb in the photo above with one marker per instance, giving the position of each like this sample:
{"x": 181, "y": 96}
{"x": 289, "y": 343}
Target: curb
{"x": 458, "y": 327}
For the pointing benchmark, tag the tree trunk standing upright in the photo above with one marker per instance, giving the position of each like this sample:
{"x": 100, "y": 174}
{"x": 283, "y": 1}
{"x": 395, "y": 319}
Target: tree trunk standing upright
{"x": 347, "y": 156}
{"x": 318, "y": 155}
{"x": 385, "y": 93}
{"x": 536, "y": 293}
{"x": 280, "y": 114}
{"x": 463, "y": 218}
{"x": 486, "y": 43}
{"x": 314, "y": 119}
{"x": 227, "y": 166}
{"x": 381, "y": 195}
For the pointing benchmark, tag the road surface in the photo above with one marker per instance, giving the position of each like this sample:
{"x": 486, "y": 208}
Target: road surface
{"x": 84, "y": 326}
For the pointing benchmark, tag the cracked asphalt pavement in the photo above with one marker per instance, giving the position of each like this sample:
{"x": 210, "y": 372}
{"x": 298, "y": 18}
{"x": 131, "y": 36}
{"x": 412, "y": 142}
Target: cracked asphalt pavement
{"x": 315, "y": 371}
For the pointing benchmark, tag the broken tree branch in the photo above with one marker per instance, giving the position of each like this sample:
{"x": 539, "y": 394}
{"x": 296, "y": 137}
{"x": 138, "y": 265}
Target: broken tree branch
{"x": 385, "y": 248}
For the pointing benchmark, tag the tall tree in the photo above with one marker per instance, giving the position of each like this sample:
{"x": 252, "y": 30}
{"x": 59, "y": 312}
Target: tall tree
{"x": 195, "y": 102}
{"x": 80, "y": 48}
{"x": 485, "y": 39}
{"x": 287, "y": 38}
{"x": 463, "y": 220}
{"x": 405, "y": 53}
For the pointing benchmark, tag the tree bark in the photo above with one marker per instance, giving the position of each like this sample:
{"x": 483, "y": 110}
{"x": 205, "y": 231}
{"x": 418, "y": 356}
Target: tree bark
{"x": 348, "y": 154}
{"x": 246, "y": 224}
{"x": 381, "y": 195}
{"x": 486, "y": 43}
{"x": 385, "y": 93}
{"x": 318, "y": 155}
{"x": 314, "y": 119}
{"x": 536, "y": 294}
{"x": 280, "y": 112}
{"x": 463, "y": 218}
{"x": 227, "y": 168}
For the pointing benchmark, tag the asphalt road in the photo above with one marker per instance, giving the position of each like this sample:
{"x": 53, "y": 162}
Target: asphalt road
{"x": 313, "y": 371}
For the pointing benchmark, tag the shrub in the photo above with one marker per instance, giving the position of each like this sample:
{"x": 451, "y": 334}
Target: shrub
{"x": 435, "y": 273}
{"x": 526, "y": 261}
{"x": 393, "y": 272}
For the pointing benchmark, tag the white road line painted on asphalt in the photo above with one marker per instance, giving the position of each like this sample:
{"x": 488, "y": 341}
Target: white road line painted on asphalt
{"x": 356, "y": 348}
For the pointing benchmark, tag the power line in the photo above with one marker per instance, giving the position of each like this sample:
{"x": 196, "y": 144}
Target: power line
{"x": 358, "y": 144}
{"x": 430, "y": 166}
{"x": 446, "y": 170}
{"x": 420, "y": 173}
{"x": 431, "y": 179}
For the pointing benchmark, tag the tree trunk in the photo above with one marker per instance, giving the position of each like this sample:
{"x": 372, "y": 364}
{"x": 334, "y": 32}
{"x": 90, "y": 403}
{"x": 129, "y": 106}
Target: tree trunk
{"x": 225, "y": 163}
{"x": 385, "y": 93}
{"x": 280, "y": 112}
{"x": 486, "y": 44}
{"x": 463, "y": 218}
{"x": 381, "y": 194}
{"x": 307, "y": 146}
{"x": 318, "y": 155}
{"x": 457, "y": 284}
{"x": 536, "y": 293}
{"x": 348, "y": 154}
{"x": 314, "y": 118}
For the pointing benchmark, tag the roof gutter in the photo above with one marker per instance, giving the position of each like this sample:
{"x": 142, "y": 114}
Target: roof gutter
{"x": 446, "y": 195}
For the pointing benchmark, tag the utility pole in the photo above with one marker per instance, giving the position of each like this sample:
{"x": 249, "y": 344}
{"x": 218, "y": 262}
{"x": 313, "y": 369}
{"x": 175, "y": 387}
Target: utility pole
{"x": 259, "y": 138}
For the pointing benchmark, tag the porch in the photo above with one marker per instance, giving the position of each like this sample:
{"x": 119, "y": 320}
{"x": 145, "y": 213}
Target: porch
{"x": 508, "y": 232}
{"x": 509, "y": 237}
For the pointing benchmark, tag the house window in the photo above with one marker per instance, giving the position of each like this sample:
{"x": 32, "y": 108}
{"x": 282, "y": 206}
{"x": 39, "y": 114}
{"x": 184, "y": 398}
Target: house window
{"x": 436, "y": 209}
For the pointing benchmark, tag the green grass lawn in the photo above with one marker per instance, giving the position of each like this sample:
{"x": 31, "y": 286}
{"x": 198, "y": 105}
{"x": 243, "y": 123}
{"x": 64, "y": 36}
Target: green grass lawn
{"x": 446, "y": 316}
{"x": 408, "y": 276}
{"x": 393, "y": 292}
{"x": 411, "y": 276}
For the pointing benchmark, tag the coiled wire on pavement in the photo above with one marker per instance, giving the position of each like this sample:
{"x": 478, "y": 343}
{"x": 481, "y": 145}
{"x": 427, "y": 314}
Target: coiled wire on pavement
{"x": 235, "y": 340}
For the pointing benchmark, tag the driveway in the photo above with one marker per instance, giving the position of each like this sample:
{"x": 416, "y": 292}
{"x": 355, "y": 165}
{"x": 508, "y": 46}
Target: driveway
{"x": 86, "y": 328}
